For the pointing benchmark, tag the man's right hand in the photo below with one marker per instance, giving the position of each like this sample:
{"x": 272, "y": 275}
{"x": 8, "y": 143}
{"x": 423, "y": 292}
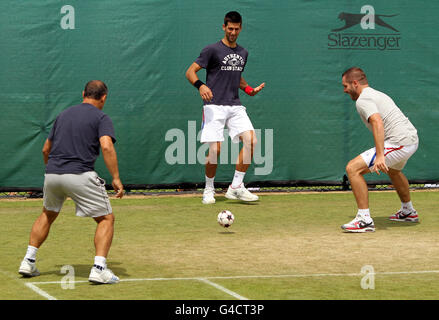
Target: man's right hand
{"x": 205, "y": 93}
{"x": 380, "y": 165}
{"x": 118, "y": 187}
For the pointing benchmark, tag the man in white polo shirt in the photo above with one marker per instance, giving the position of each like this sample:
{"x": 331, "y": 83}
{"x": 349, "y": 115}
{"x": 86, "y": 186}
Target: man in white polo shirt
{"x": 396, "y": 140}
{"x": 224, "y": 62}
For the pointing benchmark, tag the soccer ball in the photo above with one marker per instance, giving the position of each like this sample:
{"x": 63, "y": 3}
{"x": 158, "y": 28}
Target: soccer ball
{"x": 225, "y": 218}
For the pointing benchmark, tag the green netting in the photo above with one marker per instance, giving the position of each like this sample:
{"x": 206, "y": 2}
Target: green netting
{"x": 307, "y": 128}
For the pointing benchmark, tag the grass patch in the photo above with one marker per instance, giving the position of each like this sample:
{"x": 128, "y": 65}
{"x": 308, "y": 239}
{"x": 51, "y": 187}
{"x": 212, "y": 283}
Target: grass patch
{"x": 296, "y": 235}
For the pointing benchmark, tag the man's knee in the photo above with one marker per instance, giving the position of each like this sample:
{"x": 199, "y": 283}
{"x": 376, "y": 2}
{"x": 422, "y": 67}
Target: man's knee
{"x": 50, "y": 215}
{"x": 394, "y": 172}
{"x": 249, "y": 139}
{"x": 213, "y": 154}
{"x": 350, "y": 168}
{"x": 356, "y": 166}
{"x": 214, "y": 149}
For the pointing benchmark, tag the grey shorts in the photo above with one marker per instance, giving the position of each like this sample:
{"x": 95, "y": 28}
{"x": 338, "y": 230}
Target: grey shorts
{"x": 86, "y": 190}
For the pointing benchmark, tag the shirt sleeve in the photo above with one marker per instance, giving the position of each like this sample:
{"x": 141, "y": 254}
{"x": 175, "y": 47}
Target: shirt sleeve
{"x": 204, "y": 57}
{"x": 245, "y": 60}
{"x": 366, "y": 107}
{"x": 106, "y": 128}
{"x": 52, "y": 131}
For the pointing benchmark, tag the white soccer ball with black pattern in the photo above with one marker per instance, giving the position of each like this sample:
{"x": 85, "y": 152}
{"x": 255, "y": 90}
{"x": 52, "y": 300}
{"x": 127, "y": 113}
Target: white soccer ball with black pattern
{"x": 225, "y": 218}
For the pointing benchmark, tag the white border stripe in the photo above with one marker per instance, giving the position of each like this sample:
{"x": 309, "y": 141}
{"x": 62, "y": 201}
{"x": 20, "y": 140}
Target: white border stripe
{"x": 39, "y": 291}
{"x": 28, "y": 284}
{"x": 33, "y": 285}
{"x": 233, "y": 294}
{"x": 257, "y": 277}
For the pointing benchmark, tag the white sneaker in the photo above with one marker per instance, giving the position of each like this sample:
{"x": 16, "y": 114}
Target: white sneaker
{"x": 240, "y": 193}
{"x": 359, "y": 225}
{"x": 105, "y": 276}
{"x": 407, "y": 217}
{"x": 208, "y": 195}
{"x": 28, "y": 269}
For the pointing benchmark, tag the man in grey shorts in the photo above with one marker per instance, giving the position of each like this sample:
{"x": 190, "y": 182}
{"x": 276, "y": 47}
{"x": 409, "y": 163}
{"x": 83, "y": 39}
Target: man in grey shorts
{"x": 70, "y": 153}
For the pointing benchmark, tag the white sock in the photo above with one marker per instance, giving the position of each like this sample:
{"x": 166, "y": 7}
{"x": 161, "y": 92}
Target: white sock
{"x": 31, "y": 253}
{"x": 100, "y": 262}
{"x": 407, "y": 207}
{"x": 365, "y": 214}
{"x": 237, "y": 179}
{"x": 209, "y": 182}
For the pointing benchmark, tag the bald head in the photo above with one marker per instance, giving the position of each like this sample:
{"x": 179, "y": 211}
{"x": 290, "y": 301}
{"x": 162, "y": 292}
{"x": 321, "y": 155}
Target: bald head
{"x": 95, "y": 89}
{"x": 95, "y": 93}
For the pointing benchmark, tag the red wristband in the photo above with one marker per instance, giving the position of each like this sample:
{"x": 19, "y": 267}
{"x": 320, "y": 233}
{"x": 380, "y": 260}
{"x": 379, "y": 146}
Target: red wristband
{"x": 248, "y": 90}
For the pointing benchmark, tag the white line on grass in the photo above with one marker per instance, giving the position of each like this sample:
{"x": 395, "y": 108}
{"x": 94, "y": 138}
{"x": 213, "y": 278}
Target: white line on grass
{"x": 33, "y": 285}
{"x": 28, "y": 284}
{"x": 213, "y": 284}
{"x": 39, "y": 291}
{"x": 256, "y": 277}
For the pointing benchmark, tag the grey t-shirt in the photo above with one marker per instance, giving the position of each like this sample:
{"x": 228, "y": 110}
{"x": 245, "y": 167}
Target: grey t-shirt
{"x": 75, "y": 139}
{"x": 397, "y": 127}
{"x": 224, "y": 66}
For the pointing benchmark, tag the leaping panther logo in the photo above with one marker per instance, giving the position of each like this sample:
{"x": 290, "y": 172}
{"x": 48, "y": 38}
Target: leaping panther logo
{"x": 233, "y": 62}
{"x": 352, "y": 19}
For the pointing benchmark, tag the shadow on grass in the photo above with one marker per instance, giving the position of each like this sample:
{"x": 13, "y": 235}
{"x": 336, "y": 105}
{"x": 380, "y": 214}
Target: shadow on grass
{"x": 384, "y": 223}
{"x": 83, "y": 270}
{"x": 227, "y": 232}
{"x": 239, "y": 202}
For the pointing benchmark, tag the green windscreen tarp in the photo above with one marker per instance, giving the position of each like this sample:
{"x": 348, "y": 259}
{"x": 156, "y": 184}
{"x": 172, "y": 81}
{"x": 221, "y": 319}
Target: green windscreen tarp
{"x": 307, "y": 128}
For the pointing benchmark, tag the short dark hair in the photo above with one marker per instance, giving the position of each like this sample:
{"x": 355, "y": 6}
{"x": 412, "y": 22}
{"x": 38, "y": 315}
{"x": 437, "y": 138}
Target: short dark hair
{"x": 232, "y": 16}
{"x": 355, "y": 73}
{"x": 95, "y": 89}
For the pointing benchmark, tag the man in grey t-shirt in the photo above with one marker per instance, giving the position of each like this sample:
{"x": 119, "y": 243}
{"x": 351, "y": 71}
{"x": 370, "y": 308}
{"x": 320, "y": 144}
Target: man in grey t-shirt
{"x": 396, "y": 140}
{"x": 224, "y": 62}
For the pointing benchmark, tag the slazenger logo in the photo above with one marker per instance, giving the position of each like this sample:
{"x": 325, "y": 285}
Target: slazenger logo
{"x": 368, "y": 20}
{"x": 233, "y": 62}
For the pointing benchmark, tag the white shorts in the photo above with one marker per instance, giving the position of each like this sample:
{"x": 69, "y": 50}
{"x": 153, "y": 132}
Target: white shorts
{"x": 395, "y": 156}
{"x": 216, "y": 117}
{"x": 86, "y": 190}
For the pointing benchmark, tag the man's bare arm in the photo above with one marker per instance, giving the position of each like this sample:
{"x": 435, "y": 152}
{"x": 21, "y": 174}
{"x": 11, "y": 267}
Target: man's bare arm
{"x": 378, "y": 135}
{"x": 110, "y": 159}
{"x": 46, "y": 150}
{"x": 191, "y": 74}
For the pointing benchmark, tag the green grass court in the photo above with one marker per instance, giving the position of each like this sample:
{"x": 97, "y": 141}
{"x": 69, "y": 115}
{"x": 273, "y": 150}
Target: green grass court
{"x": 285, "y": 247}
